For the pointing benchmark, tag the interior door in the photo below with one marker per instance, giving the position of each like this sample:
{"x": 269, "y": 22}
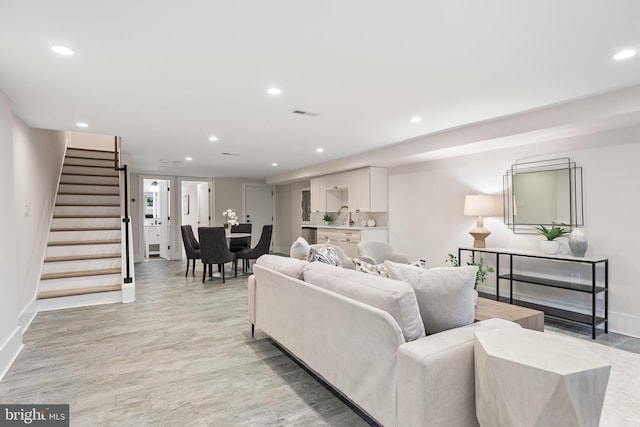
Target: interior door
{"x": 258, "y": 209}
{"x": 164, "y": 222}
{"x": 203, "y": 204}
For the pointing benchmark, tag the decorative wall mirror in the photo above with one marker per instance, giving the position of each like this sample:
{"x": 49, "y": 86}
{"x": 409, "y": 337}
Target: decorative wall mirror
{"x": 545, "y": 193}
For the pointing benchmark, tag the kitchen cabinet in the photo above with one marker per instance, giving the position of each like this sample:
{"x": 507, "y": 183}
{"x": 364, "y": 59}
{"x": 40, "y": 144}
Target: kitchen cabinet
{"x": 368, "y": 190}
{"x": 363, "y": 190}
{"x": 348, "y": 238}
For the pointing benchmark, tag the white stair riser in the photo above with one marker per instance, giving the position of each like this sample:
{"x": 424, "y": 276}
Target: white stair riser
{"x": 85, "y": 222}
{"x": 79, "y": 301}
{"x": 87, "y": 210}
{"x": 79, "y": 282}
{"x": 73, "y": 199}
{"x": 90, "y": 179}
{"x": 73, "y": 250}
{"x": 69, "y": 236}
{"x": 89, "y": 162}
{"x": 89, "y": 171}
{"x": 81, "y": 265}
{"x": 93, "y": 189}
{"x": 93, "y": 154}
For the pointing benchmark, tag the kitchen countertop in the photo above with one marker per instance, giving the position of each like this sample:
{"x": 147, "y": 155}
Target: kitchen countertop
{"x": 345, "y": 227}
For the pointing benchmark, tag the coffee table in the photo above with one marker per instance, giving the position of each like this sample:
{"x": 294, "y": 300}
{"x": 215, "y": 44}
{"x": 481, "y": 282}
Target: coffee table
{"x": 525, "y": 317}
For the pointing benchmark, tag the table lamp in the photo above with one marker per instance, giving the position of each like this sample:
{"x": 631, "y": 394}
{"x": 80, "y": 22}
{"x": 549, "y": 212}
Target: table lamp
{"x": 479, "y": 205}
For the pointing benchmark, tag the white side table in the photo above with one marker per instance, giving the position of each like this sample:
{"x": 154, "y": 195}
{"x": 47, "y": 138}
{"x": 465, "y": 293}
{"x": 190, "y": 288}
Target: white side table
{"x": 529, "y": 378}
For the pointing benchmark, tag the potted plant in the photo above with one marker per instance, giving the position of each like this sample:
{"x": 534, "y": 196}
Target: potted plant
{"x": 328, "y": 219}
{"x": 483, "y": 269}
{"x": 551, "y": 246}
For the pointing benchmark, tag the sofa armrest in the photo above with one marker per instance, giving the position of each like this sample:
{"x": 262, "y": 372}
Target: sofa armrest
{"x": 436, "y": 377}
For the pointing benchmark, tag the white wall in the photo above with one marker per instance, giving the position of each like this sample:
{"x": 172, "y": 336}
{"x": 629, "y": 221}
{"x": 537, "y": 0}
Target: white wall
{"x": 10, "y": 336}
{"x": 288, "y": 214}
{"x": 38, "y": 155}
{"x": 426, "y": 204}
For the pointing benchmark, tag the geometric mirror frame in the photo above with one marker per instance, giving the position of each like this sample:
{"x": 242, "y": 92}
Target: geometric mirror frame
{"x": 546, "y": 192}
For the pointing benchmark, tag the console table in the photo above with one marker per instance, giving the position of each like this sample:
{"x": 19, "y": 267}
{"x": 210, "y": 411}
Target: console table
{"x": 595, "y": 287}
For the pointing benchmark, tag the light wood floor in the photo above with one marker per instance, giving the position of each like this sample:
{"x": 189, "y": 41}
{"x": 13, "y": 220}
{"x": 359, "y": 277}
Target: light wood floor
{"x": 181, "y": 355}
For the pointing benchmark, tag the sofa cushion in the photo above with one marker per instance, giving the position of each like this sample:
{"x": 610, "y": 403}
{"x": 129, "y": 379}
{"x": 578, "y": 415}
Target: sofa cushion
{"x": 289, "y": 266}
{"x": 445, "y": 295}
{"x": 299, "y": 249}
{"x": 395, "y": 297}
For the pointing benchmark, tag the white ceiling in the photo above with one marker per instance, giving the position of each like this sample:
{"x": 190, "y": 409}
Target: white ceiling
{"x": 165, "y": 75}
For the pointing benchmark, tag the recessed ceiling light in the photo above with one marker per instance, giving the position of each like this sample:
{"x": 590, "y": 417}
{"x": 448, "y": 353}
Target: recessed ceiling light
{"x": 213, "y": 138}
{"x": 415, "y": 119}
{"x": 319, "y": 150}
{"x": 273, "y": 91}
{"x": 82, "y": 125}
{"x": 188, "y": 158}
{"x": 165, "y": 161}
{"x": 624, "y": 54}
{"x": 274, "y": 164}
{"x": 62, "y": 50}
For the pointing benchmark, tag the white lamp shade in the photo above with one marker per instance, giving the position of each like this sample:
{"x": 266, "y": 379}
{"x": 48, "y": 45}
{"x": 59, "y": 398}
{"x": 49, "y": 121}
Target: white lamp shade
{"x": 480, "y": 205}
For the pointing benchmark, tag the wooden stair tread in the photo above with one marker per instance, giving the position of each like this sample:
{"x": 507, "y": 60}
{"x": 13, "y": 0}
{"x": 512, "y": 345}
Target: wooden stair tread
{"x": 84, "y": 242}
{"x": 87, "y": 194}
{"x": 71, "y": 156}
{"x": 81, "y": 257}
{"x": 78, "y": 291}
{"x": 113, "y": 175}
{"x": 89, "y": 184}
{"x": 90, "y": 166}
{"x": 99, "y": 205}
{"x": 84, "y": 273}
{"x": 86, "y": 216}
{"x": 90, "y": 150}
{"x": 85, "y": 229}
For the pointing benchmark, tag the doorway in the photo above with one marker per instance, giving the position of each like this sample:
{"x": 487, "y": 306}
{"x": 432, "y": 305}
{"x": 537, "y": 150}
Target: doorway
{"x": 156, "y": 218}
{"x": 258, "y": 209}
{"x": 196, "y": 205}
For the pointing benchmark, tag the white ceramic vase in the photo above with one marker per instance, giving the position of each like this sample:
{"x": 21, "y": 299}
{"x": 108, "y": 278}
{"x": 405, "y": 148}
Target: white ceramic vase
{"x": 549, "y": 247}
{"x": 578, "y": 243}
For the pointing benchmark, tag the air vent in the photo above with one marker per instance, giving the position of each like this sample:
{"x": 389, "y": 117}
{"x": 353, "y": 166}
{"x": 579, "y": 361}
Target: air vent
{"x": 305, "y": 113}
{"x": 230, "y": 154}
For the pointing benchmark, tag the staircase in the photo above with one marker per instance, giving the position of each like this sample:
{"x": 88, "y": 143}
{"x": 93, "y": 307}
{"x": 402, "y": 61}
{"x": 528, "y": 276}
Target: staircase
{"x": 83, "y": 261}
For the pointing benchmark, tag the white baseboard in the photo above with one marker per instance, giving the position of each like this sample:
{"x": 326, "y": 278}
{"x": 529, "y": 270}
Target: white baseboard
{"x": 624, "y": 324}
{"x": 9, "y": 350}
{"x": 79, "y": 301}
{"x": 128, "y": 292}
{"x": 27, "y": 315}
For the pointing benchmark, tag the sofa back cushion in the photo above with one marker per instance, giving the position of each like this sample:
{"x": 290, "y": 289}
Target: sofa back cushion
{"x": 289, "y": 266}
{"x": 445, "y": 295}
{"x": 395, "y": 297}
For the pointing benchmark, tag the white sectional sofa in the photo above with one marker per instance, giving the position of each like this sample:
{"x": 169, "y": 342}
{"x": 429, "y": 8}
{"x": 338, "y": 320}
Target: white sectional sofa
{"x": 364, "y": 336}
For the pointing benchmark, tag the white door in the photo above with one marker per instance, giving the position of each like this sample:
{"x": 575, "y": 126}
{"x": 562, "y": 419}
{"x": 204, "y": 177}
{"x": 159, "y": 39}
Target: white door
{"x": 164, "y": 219}
{"x": 203, "y": 204}
{"x": 258, "y": 209}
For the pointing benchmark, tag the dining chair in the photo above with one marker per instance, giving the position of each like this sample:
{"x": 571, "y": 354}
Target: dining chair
{"x": 214, "y": 250}
{"x": 254, "y": 253}
{"x": 191, "y": 247}
{"x": 238, "y": 243}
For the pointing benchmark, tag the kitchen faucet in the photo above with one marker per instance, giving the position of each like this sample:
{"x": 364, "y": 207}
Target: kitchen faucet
{"x": 346, "y": 207}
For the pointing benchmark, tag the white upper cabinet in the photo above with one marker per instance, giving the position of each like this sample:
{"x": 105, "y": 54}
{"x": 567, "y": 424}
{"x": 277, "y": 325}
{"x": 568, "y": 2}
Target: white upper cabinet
{"x": 364, "y": 190}
{"x": 368, "y": 190}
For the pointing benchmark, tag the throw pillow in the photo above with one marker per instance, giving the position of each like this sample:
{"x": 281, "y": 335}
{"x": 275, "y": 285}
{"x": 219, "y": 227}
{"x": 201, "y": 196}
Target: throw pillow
{"x": 365, "y": 267}
{"x": 446, "y": 297}
{"x": 299, "y": 249}
{"x": 325, "y": 254}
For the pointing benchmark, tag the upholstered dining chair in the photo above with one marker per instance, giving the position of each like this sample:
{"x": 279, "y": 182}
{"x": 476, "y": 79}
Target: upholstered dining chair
{"x": 214, "y": 250}
{"x": 376, "y": 252}
{"x": 191, "y": 247}
{"x": 238, "y": 243}
{"x": 254, "y": 253}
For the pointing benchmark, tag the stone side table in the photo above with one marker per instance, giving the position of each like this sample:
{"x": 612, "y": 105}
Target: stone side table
{"x": 529, "y": 378}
